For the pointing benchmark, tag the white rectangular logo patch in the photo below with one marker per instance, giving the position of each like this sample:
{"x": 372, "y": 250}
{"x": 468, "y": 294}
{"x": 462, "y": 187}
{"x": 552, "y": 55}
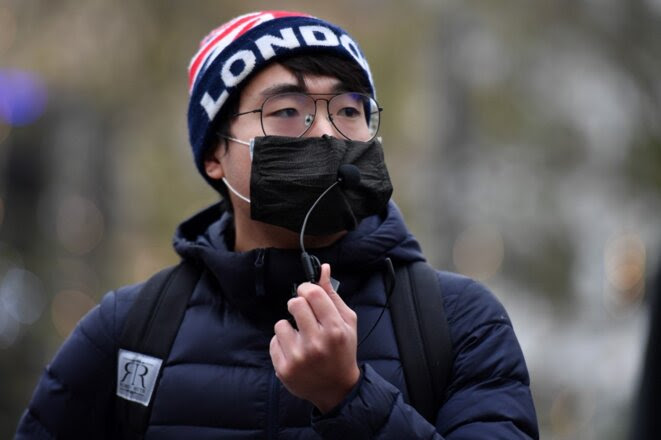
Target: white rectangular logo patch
{"x": 136, "y": 376}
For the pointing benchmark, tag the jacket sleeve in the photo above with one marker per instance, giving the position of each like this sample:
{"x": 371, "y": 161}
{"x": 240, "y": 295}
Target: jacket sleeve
{"x": 488, "y": 394}
{"x": 75, "y": 395}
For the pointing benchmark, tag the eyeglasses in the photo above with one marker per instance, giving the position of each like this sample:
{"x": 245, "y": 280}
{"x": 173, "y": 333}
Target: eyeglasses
{"x": 355, "y": 115}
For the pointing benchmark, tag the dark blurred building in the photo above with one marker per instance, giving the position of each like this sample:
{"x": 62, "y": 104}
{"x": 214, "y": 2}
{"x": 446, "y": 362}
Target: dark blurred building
{"x": 646, "y": 420}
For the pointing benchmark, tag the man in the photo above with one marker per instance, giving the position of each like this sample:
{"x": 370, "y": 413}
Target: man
{"x": 281, "y": 105}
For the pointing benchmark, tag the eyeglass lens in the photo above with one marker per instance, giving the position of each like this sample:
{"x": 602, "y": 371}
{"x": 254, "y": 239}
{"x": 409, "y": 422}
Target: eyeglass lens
{"x": 354, "y": 115}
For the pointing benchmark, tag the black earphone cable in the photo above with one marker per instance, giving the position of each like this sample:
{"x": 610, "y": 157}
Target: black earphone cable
{"x": 391, "y": 288}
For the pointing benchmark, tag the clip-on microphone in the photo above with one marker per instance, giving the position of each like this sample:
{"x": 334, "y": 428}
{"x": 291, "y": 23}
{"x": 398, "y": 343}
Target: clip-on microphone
{"x": 348, "y": 176}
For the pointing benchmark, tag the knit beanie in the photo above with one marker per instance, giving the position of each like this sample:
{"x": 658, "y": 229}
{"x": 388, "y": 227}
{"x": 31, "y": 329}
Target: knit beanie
{"x": 241, "y": 47}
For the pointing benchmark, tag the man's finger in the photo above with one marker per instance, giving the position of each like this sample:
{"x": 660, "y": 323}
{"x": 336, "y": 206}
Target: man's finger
{"x": 322, "y": 306}
{"x": 301, "y": 310}
{"x": 325, "y": 278}
{"x": 275, "y": 350}
{"x": 347, "y": 314}
{"x": 286, "y": 336}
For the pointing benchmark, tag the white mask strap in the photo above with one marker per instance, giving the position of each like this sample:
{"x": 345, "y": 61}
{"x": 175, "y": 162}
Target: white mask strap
{"x": 230, "y": 138}
{"x": 236, "y": 193}
{"x": 250, "y": 144}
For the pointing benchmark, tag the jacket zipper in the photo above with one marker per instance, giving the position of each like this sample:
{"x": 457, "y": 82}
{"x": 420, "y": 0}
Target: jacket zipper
{"x": 259, "y": 273}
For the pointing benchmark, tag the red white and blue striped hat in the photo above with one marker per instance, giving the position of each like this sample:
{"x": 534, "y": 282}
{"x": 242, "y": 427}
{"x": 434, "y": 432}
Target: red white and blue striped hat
{"x": 244, "y": 45}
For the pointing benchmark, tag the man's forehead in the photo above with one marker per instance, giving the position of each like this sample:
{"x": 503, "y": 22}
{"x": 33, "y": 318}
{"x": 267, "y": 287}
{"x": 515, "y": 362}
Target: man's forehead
{"x": 278, "y": 79}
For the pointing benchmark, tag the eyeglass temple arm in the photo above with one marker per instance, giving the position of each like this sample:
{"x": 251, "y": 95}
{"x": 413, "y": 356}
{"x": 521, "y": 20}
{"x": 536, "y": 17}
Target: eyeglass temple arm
{"x": 257, "y": 110}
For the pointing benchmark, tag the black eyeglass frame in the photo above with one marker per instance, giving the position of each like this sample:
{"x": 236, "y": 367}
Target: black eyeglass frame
{"x": 329, "y": 97}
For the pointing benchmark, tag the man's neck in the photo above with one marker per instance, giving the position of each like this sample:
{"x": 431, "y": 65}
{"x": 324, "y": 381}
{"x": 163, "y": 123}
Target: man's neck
{"x": 251, "y": 234}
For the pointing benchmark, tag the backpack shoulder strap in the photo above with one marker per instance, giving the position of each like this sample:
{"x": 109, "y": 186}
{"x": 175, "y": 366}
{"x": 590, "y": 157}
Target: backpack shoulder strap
{"x": 423, "y": 337}
{"x": 147, "y": 336}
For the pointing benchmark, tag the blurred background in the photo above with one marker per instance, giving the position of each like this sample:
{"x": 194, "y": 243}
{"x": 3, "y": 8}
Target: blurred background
{"x": 523, "y": 141}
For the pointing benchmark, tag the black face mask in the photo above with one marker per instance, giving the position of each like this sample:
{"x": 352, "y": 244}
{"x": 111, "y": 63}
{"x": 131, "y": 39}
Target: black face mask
{"x": 289, "y": 174}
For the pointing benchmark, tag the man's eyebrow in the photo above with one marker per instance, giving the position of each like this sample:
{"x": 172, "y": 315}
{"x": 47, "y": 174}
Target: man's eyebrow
{"x": 281, "y": 88}
{"x": 297, "y": 88}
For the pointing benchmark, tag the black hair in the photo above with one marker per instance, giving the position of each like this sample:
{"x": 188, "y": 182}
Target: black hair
{"x": 348, "y": 72}
{"x": 351, "y": 75}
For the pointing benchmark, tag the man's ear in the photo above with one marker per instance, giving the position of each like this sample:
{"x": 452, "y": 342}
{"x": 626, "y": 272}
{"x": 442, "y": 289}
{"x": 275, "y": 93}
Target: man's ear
{"x": 212, "y": 164}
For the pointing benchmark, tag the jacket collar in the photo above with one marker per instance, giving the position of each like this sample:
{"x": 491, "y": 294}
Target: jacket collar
{"x": 260, "y": 281}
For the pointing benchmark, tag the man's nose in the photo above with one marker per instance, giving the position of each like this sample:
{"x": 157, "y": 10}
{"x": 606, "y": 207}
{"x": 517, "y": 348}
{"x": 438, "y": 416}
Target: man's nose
{"x": 322, "y": 124}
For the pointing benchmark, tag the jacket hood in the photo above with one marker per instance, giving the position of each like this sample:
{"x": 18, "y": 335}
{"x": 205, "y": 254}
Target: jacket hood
{"x": 260, "y": 281}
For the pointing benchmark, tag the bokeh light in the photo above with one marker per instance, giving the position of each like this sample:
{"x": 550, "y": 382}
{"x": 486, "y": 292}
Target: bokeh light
{"x": 22, "y": 97}
{"x": 572, "y": 414}
{"x": 67, "y": 308}
{"x": 79, "y": 224}
{"x": 9, "y": 329}
{"x": 22, "y": 298}
{"x": 22, "y": 295}
{"x": 478, "y": 251}
{"x": 564, "y": 413}
{"x": 624, "y": 264}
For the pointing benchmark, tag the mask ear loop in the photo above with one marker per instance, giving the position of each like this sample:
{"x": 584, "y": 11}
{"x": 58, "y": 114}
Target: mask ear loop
{"x": 236, "y": 193}
{"x": 250, "y": 144}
